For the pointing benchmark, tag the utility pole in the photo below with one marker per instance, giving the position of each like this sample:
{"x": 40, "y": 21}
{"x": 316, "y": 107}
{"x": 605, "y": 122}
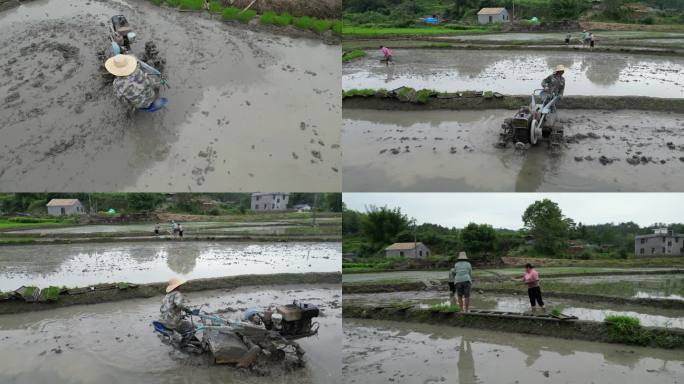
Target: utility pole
{"x": 415, "y": 241}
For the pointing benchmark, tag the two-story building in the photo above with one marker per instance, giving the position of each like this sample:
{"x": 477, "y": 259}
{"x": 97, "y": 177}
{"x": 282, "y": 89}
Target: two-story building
{"x": 662, "y": 242}
{"x": 269, "y": 201}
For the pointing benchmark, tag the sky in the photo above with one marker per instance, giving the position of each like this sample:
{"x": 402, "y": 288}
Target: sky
{"x": 504, "y": 210}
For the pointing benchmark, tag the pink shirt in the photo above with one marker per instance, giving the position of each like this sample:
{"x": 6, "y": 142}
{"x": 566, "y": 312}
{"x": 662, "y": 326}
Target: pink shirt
{"x": 386, "y": 51}
{"x": 531, "y": 278}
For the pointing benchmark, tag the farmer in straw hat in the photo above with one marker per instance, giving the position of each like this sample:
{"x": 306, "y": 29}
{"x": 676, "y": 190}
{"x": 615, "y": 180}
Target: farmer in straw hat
{"x": 463, "y": 280}
{"x": 554, "y": 84}
{"x": 132, "y": 85}
{"x": 173, "y": 307}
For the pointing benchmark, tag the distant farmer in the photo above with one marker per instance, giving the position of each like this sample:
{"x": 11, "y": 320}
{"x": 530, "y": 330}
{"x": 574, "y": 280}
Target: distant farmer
{"x": 156, "y": 229}
{"x": 172, "y": 309}
{"x": 463, "y": 280}
{"x": 554, "y": 84}
{"x": 174, "y": 227}
{"x": 591, "y": 41}
{"x": 531, "y": 278}
{"x": 387, "y": 54}
{"x": 452, "y": 287}
{"x": 586, "y": 38}
{"x": 180, "y": 230}
{"x": 567, "y": 38}
{"x": 132, "y": 85}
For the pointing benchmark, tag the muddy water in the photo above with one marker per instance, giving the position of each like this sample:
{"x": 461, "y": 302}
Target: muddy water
{"x": 649, "y": 316}
{"x": 117, "y": 229}
{"x": 654, "y": 286}
{"x": 421, "y": 353}
{"x": 448, "y": 150}
{"x": 519, "y": 72}
{"x": 84, "y": 264}
{"x": 115, "y": 343}
{"x": 244, "y": 106}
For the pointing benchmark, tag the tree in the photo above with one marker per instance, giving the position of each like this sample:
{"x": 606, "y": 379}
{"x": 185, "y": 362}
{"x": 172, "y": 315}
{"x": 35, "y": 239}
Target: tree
{"x": 333, "y": 202}
{"x": 548, "y": 226}
{"x": 144, "y": 201}
{"x": 478, "y": 238}
{"x": 567, "y": 9}
{"x": 351, "y": 221}
{"x": 382, "y": 225}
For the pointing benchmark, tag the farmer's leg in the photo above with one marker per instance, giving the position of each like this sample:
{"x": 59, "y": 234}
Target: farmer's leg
{"x": 540, "y": 301}
{"x": 533, "y": 299}
{"x": 466, "y": 296}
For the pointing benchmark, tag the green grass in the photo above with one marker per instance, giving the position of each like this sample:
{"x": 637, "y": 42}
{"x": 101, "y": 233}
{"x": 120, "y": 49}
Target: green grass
{"x": 274, "y": 18}
{"x": 216, "y": 7}
{"x": 337, "y": 26}
{"x": 19, "y": 222}
{"x": 423, "y": 95}
{"x": 350, "y": 31}
{"x": 173, "y": 3}
{"x": 195, "y": 5}
{"x": 626, "y": 329}
{"x": 156, "y": 2}
{"x": 445, "y": 308}
{"x": 19, "y": 241}
{"x": 355, "y": 54}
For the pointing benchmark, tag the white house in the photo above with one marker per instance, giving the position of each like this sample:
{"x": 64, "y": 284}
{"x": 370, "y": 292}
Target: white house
{"x": 412, "y": 250}
{"x": 269, "y": 201}
{"x": 63, "y": 207}
{"x": 492, "y": 15}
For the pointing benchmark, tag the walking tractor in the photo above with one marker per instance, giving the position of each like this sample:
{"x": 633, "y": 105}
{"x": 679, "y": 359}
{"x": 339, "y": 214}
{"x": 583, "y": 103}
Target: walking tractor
{"x": 534, "y": 123}
{"x": 269, "y": 333}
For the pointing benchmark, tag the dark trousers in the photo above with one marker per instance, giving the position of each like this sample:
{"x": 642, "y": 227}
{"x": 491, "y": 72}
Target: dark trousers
{"x": 452, "y": 287}
{"x": 535, "y": 296}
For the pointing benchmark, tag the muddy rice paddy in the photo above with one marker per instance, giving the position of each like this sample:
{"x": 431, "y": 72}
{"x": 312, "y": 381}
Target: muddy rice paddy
{"x": 519, "y": 72}
{"x": 76, "y": 265}
{"x": 421, "y": 353}
{"x": 448, "y": 150}
{"x": 248, "y": 110}
{"x": 115, "y": 342}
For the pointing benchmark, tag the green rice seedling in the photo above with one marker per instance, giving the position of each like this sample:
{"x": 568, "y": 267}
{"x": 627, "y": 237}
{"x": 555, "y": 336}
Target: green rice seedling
{"x": 246, "y": 16}
{"x": 445, "y": 308}
{"x": 557, "y": 310}
{"x": 626, "y": 329}
{"x": 355, "y": 54}
{"x": 303, "y": 22}
{"x": 195, "y": 5}
{"x": 337, "y": 27}
{"x": 173, "y": 3}
{"x": 359, "y": 92}
{"x": 122, "y": 285}
{"x": 230, "y": 13}
{"x": 51, "y": 293}
{"x": 216, "y": 7}
{"x": 320, "y": 25}
{"x": 424, "y": 95}
{"x": 273, "y": 18}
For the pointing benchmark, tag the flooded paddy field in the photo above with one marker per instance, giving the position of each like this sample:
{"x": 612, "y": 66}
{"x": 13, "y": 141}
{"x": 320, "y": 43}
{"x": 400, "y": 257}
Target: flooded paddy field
{"x": 421, "y": 353}
{"x": 455, "y": 150}
{"x": 247, "y": 110}
{"x": 86, "y": 264}
{"x": 115, "y": 342}
{"x": 602, "y": 37}
{"x": 646, "y": 286}
{"x": 494, "y": 273}
{"x": 584, "y": 310}
{"x": 519, "y": 72}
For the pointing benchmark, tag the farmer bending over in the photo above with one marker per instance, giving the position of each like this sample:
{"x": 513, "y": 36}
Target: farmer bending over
{"x": 531, "y": 278}
{"x": 387, "y": 54}
{"x": 132, "y": 85}
{"x": 172, "y": 309}
{"x": 463, "y": 280}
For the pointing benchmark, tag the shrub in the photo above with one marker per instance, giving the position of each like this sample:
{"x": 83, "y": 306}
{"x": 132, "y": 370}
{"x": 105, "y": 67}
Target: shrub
{"x": 276, "y": 19}
{"x": 195, "y": 5}
{"x": 216, "y": 7}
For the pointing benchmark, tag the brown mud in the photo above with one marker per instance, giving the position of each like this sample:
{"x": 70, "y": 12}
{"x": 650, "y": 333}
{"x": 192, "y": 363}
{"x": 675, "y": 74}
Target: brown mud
{"x": 93, "y": 295}
{"x": 63, "y": 129}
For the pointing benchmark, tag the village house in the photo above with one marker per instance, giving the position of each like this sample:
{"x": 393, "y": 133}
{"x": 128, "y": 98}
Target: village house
{"x": 492, "y": 15}
{"x": 411, "y": 250}
{"x": 662, "y": 242}
{"x": 269, "y": 201}
{"x": 64, "y": 207}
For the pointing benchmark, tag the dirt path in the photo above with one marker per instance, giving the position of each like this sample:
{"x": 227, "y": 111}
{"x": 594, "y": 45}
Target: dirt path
{"x": 244, "y": 106}
{"x": 115, "y": 342}
{"x": 447, "y": 150}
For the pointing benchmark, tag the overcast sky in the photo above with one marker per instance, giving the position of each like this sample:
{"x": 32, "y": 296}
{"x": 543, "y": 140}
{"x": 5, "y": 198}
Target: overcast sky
{"x": 504, "y": 210}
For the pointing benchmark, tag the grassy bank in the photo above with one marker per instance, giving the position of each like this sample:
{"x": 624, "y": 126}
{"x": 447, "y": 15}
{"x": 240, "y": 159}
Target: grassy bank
{"x": 368, "y": 32}
{"x": 7, "y": 223}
